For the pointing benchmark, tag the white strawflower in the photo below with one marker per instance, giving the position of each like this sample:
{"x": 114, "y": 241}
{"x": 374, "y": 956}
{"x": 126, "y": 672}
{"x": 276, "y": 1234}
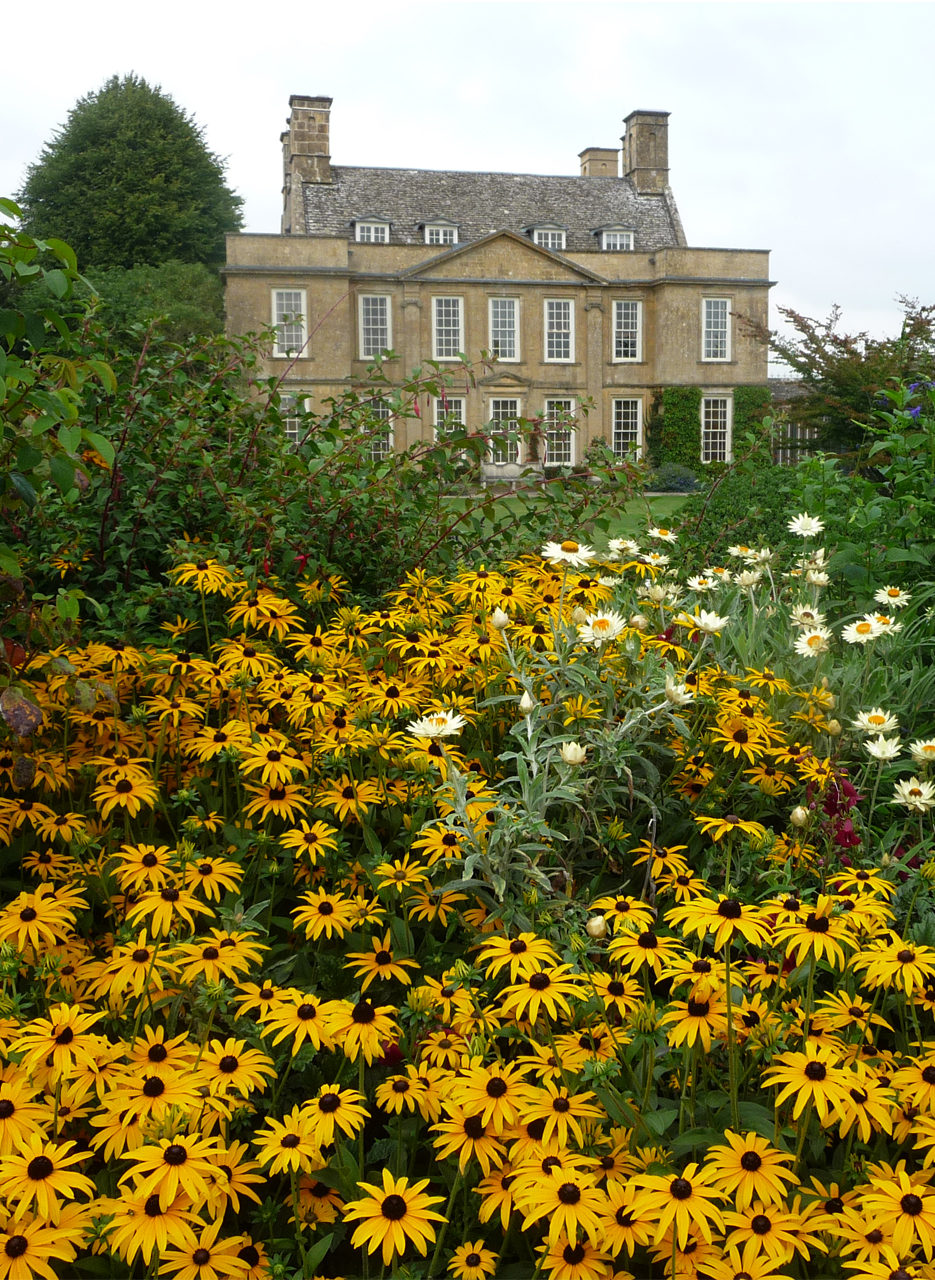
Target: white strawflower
{"x": 805, "y": 526}
{"x": 817, "y": 578}
{"x": 655, "y": 558}
{"x": 499, "y": 619}
{"x": 639, "y": 622}
{"x": 763, "y": 556}
{"x": 813, "y": 642}
{"x": 705, "y": 620}
{"x": 722, "y": 574}
{"x": 596, "y": 927}
{"x": 883, "y": 748}
{"x": 748, "y": 578}
{"x": 438, "y": 724}
{"x": 655, "y": 592}
{"x": 678, "y": 694}
{"x": 578, "y": 615}
{"x": 599, "y": 628}
{"x": 526, "y": 702}
{"x": 624, "y": 546}
{"x": 664, "y": 535}
{"x": 915, "y": 795}
{"x": 799, "y": 816}
{"x": 701, "y": 583}
{"x": 805, "y": 617}
{"x": 569, "y": 552}
{"x": 895, "y": 597}
{"x": 888, "y": 626}
{"x": 740, "y": 551}
{"x": 861, "y": 632}
{"x": 573, "y": 752}
{"x": 923, "y": 750}
{"x": 876, "y": 720}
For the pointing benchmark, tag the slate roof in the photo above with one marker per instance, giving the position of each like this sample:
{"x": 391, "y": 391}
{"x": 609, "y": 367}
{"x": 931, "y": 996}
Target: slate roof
{"x": 481, "y": 203}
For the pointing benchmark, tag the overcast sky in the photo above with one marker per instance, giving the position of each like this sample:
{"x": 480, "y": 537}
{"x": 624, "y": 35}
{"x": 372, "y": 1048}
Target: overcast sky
{"x": 803, "y": 128}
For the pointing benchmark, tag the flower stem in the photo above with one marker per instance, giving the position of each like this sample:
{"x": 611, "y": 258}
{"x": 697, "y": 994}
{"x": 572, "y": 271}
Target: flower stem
{"x": 442, "y": 1231}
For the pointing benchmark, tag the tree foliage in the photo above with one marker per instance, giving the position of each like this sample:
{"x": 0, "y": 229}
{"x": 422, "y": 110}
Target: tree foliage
{"x": 129, "y": 181}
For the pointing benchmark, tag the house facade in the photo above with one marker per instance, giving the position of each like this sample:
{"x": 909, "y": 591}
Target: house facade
{"x": 582, "y": 288}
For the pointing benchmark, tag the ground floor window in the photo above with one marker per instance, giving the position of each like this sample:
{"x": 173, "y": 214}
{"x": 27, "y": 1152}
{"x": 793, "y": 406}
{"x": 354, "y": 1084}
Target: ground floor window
{"x": 627, "y": 437}
{"x": 715, "y": 429}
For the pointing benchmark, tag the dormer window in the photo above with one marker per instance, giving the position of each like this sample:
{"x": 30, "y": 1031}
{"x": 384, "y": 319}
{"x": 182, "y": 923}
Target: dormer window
{"x": 616, "y": 240}
{"x": 372, "y": 231}
{"x": 549, "y": 236}
{"x": 440, "y": 232}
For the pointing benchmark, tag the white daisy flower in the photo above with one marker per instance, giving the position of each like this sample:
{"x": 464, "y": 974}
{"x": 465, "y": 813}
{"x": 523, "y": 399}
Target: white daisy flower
{"x": 569, "y": 552}
{"x": 805, "y": 526}
{"x": 702, "y": 583}
{"x": 740, "y": 551}
{"x": 888, "y": 626}
{"x": 883, "y": 748}
{"x": 499, "y": 619}
{"x": 876, "y": 720}
{"x": 807, "y": 618}
{"x": 817, "y": 578}
{"x": 573, "y": 753}
{"x": 624, "y": 546}
{"x": 813, "y": 642}
{"x": 763, "y": 556}
{"x": 862, "y": 632}
{"x": 599, "y": 628}
{"x": 438, "y": 724}
{"x": 722, "y": 575}
{"x": 664, "y": 535}
{"x": 895, "y": 597}
{"x": 915, "y": 795}
{"x": 923, "y": 750}
{"x": 655, "y": 558}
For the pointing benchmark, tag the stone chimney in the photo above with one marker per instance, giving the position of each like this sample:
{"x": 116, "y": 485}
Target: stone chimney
{"x": 599, "y": 162}
{"x": 306, "y": 154}
{"x": 646, "y": 151}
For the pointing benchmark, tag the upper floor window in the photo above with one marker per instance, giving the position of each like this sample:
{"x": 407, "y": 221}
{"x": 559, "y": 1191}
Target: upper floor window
{"x": 549, "y": 237}
{"x": 559, "y": 447}
{"x": 449, "y": 414}
{"x": 381, "y": 437}
{"x": 504, "y": 334}
{"x": 715, "y": 340}
{"x": 289, "y": 320}
{"x": 447, "y": 326}
{"x": 628, "y": 336}
{"x": 627, "y": 437}
{"x": 503, "y": 415}
{"x": 559, "y": 329}
{"x": 376, "y": 325}
{"x": 616, "y": 241}
{"x": 715, "y": 429}
{"x": 372, "y": 232}
{"x": 439, "y": 233}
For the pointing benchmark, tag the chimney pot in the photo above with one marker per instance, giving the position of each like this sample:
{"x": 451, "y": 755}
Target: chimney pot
{"x": 646, "y": 151}
{"x": 599, "y": 162}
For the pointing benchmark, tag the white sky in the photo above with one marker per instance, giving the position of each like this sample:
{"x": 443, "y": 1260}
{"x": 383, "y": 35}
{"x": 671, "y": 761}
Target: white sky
{"x": 804, "y": 128}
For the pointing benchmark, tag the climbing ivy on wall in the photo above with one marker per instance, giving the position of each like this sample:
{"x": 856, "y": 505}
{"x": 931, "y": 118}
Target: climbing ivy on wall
{"x": 674, "y": 433}
{"x": 751, "y": 405}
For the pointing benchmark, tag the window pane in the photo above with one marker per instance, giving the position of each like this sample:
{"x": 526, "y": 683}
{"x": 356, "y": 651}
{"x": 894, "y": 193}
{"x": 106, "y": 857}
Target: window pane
{"x": 626, "y": 437}
{"x": 504, "y": 411}
{"x": 503, "y": 328}
{"x": 381, "y": 442}
{"x": 618, "y": 240}
{"x": 551, "y": 239}
{"x": 374, "y": 326}
{"x": 447, "y": 328}
{"x": 626, "y": 330}
{"x": 440, "y": 235}
{"x": 715, "y": 328}
{"x": 290, "y": 408}
{"x": 714, "y": 425}
{"x": 290, "y": 330}
{"x": 558, "y": 331}
{"x": 449, "y": 413}
{"x": 558, "y": 447}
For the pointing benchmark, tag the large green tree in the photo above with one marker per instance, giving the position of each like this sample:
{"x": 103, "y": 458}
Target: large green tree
{"x": 129, "y": 181}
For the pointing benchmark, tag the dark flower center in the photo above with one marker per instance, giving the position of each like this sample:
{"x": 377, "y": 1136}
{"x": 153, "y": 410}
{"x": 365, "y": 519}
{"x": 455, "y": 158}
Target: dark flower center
{"x": 698, "y": 1008}
{"x": 615, "y": 988}
{"x": 39, "y": 1168}
{"x": 624, "y": 1217}
{"x": 540, "y": 981}
{"x": 329, "y": 1102}
{"x": 210, "y": 953}
{"x": 561, "y": 1105}
{"x": 474, "y": 1128}
{"x": 140, "y": 955}
{"x": 472, "y": 1260}
{"x": 65, "y": 1036}
{"x": 761, "y": 1224}
{"x": 157, "y": 1053}
{"x": 228, "y": 1063}
{"x": 289, "y": 1140}
{"x": 905, "y": 956}
{"x": 817, "y": 924}
{"x": 751, "y": 1018}
{"x": 170, "y": 895}
{"x": 200, "y": 1257}
{"x": 305, "y": 1012}
{"x": 175, "y": 1154}
{"x": 518, "y": 946}
{"x": 6, "y": 1108}
{"x": 680, "y": 1188}
{"x": 16, "y": 1246}
{"x": 152, "y": 1207}
{"x": 154, "y": 1087}
{"x": 751, "y": 1161}
{"x": 874, "y": 1237}
{"x": 28, "y": 914}
{"x": 400, "y": 1086}
{"x": 363, "y": 1012}
{"x": 730, "y": 909}
{"x": 701, "y": 966}
{"x": 123, "y": 786}
{"x": 573, "y": 1256}
{"x": 791, "y": 904}
{"x": 394, "y": 1208}
{"x": 648, "y": 941}
{"x": 535, "y": 1129}
{"x": 816, "y": 1071}
{"x": 496, "y": 1088}
{"x": 911, "y": 1204}
{"x": 249, "y": 1254}
{"x": 928, "y": 1075}
{"x": 834, "y": 1205}
{"x": 568, "y": 1193}
{"x": 383, "y": 957}
{"x": 149, "y": 860}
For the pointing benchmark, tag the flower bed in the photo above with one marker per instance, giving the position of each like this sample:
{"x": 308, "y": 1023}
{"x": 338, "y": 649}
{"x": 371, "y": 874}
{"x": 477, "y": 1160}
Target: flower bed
{"x": 559, "y": 918}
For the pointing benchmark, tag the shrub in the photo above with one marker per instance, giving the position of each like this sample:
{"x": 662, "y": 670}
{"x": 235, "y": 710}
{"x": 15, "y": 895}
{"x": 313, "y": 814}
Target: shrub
{"x": 672, "y": 478}
{"x": 749, "y": 504}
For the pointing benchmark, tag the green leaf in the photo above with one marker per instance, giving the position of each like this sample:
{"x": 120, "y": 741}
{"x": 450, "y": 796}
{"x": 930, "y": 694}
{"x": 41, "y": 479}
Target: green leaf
{"x": 62, "y": 472}
{"x": 316, "y": 1255}
{"x": 69, "y": 438}
{"x": 102, "y": 445}
{"x": 906, "y": 555}
{"x": 58, "y": 282}
{"x": 28, "y": 457}
{"x": 23, "y": 488}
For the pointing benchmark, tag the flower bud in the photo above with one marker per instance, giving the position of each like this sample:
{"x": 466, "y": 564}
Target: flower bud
{"x": 578, "y": 616}
{"x": 638, "y": 622}
{"x": 834, "y": 728}
{"x": 885, "y": 860}
{"x": 526, "y": 703}
{"x": 799, "y": 816}
{"x": 573, "y": 753}
{"x": 499, "y": 620}
{"x": 597, "y": 927}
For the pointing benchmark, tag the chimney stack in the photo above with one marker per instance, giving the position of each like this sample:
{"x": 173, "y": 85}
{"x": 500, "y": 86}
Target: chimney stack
{"x": 646, "y": 151}
{"x": 599, "y": 162}
{"x": 306, "y": 154}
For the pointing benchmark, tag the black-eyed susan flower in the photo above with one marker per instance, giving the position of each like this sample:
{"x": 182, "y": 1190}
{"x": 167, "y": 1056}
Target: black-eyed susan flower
{"x": 38, "y": 919}
{"x": 288, "y": 1145}
{"x": 300, "y": 1016}
{"x": 230, "y": 1067}
{"x": 699, "y": 1019}
{"x": 467, "y": 1137}
{"x": 145, "y": 866}
{"x": 622, "y": 994}
{"x": 816, "y": 932}
{"x": 472, "y": 1261}
{"x": 679, "y": 1203}
{"x": 27, "y": 1247}
{"x": 20, "y": 1116}
{"x": 392, "y": 1215}
{"x": 570, "y": 1202}
{"x": 207, "y": 576}
{"x": 748, "y": 1168}
{"x": 625, "y": 912}
{"x": 323, "y": 914}
{"x": 234, "y": 1177}
{"x": 401, "y": 1093}
{"x": 347, "y": 798}
{"x": 205, "y": 1258}
{"x": 633, "y": 950}
{"x": 497, "y": 1195}
{"x": 908, "y": 966}
{"x": 725, "y": 919}
{"x": 213, "y": 876}
{"x": 283, "y": 800}
{"x": 624, "y": 1228}
{"x": 332, "y": 1108}
{"x": 546, "y": 990}
{"x": 582, "y": 1261}
{"x": 164, "y": 909}
{"x": 175, "y": 1164}
{"x": 905, "y": 1206}
{"x": 401, "y": 874}
{"x": 381, "y": 962}
{"x": 560, "y": 1111}
{"x": 310, "y": 841}
{"x": 62, "y": 1037}
{"x": 40, "y": 1175}
{"x": 812, "y": 1077}
{"x": 524, "y": 955}
{"x": 718, "y": 828}
{"x": 495, "y": 1093}
{"x": 131, "y": 794}
{"x": 361, "y": 1028}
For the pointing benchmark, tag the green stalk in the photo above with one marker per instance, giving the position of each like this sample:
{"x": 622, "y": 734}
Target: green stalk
{"x": 731, "y": 1047}
{"x": 443, "y": 1229}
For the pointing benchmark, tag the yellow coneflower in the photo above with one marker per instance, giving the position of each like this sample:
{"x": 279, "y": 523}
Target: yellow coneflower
{"x": 393, "y": 1214}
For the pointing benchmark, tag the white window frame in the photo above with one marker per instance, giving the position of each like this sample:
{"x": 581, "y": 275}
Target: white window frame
{"x": 609, "y": 239}
{"x": 547, "y": 331}
{"x": 283, "y": 350}
{"x": 707, "y": 329}
{"x": 441, "y": 413}
{"x": 441, "y": 230}
{"x": 541, "y": 235}
{"x": 491, "y": 303}
{"x": 713, "y": 455}
{"x": 634, "y": 448}
{"x": 622, "y": 307}
{"x": 370, "y": 231}
{"x": 511, "y": 449}
{"x": 381, "y": 446}
{"x": 290, "y": 406}
{"x": 568, "y": 406}
{"x": 435, "y": 343}
{"x": 362, "y": 346}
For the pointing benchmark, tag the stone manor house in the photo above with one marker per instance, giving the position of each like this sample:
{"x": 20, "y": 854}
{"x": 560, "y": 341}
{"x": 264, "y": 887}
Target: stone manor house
{"x": 583, "y": 288}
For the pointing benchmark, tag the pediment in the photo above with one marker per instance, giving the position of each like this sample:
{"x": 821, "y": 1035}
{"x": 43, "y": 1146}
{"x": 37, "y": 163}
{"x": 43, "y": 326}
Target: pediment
{"x": 503, "y": 256}
{"x": 500, "y": 378}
